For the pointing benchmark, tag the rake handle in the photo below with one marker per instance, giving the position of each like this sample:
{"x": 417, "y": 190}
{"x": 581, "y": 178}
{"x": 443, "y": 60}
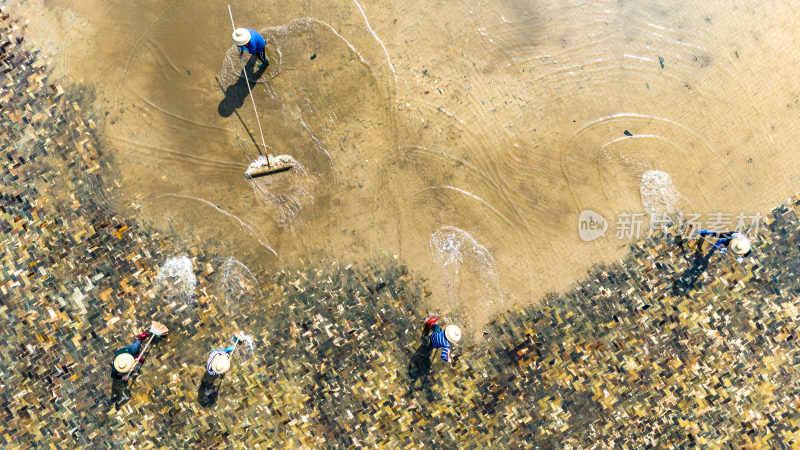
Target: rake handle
{"x": 231, "y": 15}
{"x": 247, "y": 82}
{"x": 141, "y": 355}
{"x": 235, "y": 343}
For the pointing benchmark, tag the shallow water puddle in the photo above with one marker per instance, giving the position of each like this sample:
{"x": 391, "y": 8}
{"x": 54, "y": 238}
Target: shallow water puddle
{"x": 505, "y": 120}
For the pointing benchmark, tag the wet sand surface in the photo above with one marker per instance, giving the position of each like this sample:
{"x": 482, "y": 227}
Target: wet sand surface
{"x": 502, "y": 120}
{"x": 676, "y": 345}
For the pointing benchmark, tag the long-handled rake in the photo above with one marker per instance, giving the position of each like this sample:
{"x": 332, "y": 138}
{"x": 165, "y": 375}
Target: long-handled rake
{"x": 156, "y": 329}
{"x": 262, "y": 167}
{"x": 235, "y": 340}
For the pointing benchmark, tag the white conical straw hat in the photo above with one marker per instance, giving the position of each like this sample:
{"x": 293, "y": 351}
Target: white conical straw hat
{"x": 740, "y": 245}
{"x": 452, "y": 333}
{"x": 123, "y": 362}
{"x": 220, "y": 364}
{"x": 241, "y": 36}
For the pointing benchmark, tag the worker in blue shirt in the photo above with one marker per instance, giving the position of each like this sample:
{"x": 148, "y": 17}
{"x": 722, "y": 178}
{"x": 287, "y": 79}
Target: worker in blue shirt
{"x": 738, "y": 243}
{"x": 443, "y": 338}
{"x": 125, "y": 357}
{"x": 253, "y": 42}
{"x": 219, "y": 361}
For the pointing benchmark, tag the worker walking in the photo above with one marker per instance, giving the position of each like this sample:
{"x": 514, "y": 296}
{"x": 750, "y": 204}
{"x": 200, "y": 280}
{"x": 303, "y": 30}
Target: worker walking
{"x": 253, "y": 42}
{"x": 126, "y": 359}
{"x": 442, "y": 338}
{"x": 219, "y": 361}
{"x": 737, "y": 242}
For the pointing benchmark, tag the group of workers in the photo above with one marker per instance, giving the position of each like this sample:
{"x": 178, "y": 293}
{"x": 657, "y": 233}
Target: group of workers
{"x": 126, "y": 358}
{"x": 219, "y": 361}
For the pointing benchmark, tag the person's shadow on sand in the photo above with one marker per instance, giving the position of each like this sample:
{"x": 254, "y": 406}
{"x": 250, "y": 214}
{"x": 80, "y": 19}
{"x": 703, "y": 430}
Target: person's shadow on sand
{"x": 120, "y": 393}
{"x": 419, "y": 368}
{"x": 699, "y": 265}
{"x": 236, "y": 93}
{"x": 121, "y": 389}
{"x": 208, "y": 392}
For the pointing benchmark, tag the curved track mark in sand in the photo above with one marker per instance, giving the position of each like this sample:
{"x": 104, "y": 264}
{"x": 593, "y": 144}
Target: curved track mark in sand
{"x": 242, "y": 223}
{"x": 134, "y": 48}
{"x": 470, "y": 194}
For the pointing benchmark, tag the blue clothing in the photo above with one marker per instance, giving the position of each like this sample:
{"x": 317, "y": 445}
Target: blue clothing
{"x": 133, "y": 349}
{"x": 724, "y": 238}
{"x": 214, "y": 353}
{"x": 256, "y": 44}
{"x": 438, "y": 340}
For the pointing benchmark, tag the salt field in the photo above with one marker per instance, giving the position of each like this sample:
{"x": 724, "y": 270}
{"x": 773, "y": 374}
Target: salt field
{"x": 535, "y": 174}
